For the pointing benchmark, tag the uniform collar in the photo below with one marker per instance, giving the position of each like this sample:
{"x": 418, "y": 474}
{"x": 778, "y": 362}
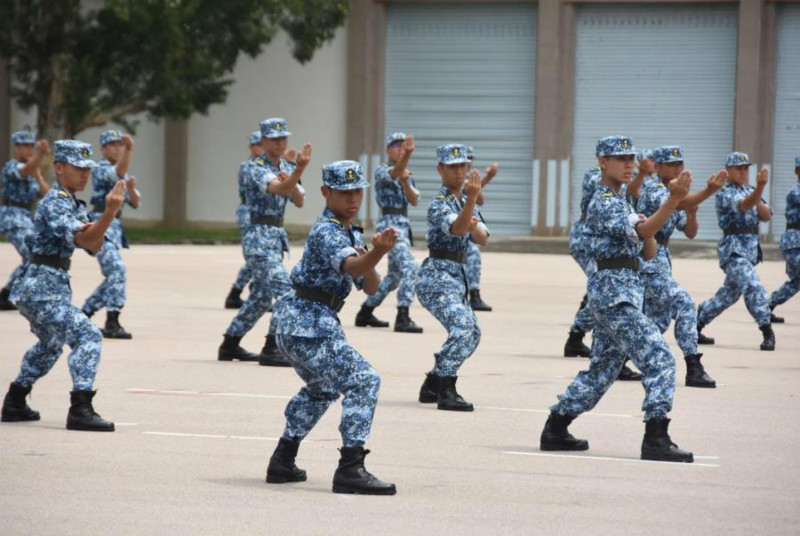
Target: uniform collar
{"x": 63, "y": 192}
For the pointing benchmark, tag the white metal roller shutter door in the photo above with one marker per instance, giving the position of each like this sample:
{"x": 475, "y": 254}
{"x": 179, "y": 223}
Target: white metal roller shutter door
{"x": 663, "y": 75}
{"x": 466, "y": 73}
{"x": 787, "y": 113}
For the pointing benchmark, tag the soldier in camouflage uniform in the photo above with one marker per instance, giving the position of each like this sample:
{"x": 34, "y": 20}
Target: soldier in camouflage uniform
{"x": 44, "y": 297}
{"x": 473, "y": 265}
{"x": 234, "y": 299}
{"x": 664, "y": 298}
{"x": 270, "y": 183}
{"x": 453, "y": 220}
{"x": 117, "y": 149}
{"x": 394, "y": 191}
{"x": 740, "y": 208}
{"x": 23, "y": 183}
{"x": 618, "y": 237}
{"x": 310, "y": 334}
{"x": 790, "y": 248}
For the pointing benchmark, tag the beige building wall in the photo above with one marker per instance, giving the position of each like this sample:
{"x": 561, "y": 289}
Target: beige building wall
{"x": 312, "y": 97}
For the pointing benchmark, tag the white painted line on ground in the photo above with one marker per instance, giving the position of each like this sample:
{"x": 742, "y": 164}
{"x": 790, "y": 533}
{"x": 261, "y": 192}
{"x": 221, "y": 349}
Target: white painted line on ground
{"x": 126, "y": 424}
{"x": 603, "y": 458}
{"x": 527, "y": 410}
{"x": 210, "y": 436}
{"x": 182, "y": 392}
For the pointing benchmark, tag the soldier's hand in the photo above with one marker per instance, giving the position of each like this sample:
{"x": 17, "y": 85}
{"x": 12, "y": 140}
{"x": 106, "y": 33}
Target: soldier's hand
{"x": 691, "y": 210}
{"x": 405, "y": 176}
{"x": 679, "y": 188}
{"x": 304, "y": 156}
{"x": 473, "y": 185}
{"x": 131, "y": 182}
{"x": 762, "y": 177}
{"x": 127, "y": 141}
{"x": 290, "y": 155}
{"x": 647, "y": 166}
{"x": 473, "y": 223}
{"x": 360, "y": 250}
{"x": 408, "y": 144}
{"x": 42, "y": 147}
{"x": 491, "y": 170}
{"x": 282, "y": 176}
{"x": 385, "y": 240}
{"x": 116, "y": 197}
{"x": 718, "y": 180}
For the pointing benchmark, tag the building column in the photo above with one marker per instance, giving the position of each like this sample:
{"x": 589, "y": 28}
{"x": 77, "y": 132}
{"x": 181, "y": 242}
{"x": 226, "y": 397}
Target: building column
{"x": 5, "y": 111}
{"x": 176, "y": 171}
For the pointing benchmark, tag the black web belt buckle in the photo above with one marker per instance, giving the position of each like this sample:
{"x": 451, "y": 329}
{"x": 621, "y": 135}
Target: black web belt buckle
{"x": 617, "y": 263}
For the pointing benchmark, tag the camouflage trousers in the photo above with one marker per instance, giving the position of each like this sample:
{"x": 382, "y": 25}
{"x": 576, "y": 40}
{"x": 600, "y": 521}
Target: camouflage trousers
{"x": 111, "y": 292}
{"x": 665, "y": 300}
{"x": 740, "y": 279}
{"x": 17, "y": 238}
{"x": 792, "y": 286}
{"x": 444, "y": 296}
{"x": 402, "y": 275}
{"x": 330, "y": 367}
{"x": 56, "y": 323}
{"x": 623, "y": 331}
{"x": 473, "y": 266}
{"x": 270, "y": 280}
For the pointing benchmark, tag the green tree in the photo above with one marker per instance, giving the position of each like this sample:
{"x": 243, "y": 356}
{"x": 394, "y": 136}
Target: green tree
{"x": 84, "y": 64}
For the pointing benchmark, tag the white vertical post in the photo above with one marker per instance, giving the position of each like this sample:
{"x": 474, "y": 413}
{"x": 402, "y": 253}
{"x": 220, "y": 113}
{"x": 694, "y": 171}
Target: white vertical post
{"x": 550, "y": 214}
{"x": 535, "y": 194}
{"x": 563, "y": 205}
{"x": 362, "y": 211}
{"x": 374, "y": 212}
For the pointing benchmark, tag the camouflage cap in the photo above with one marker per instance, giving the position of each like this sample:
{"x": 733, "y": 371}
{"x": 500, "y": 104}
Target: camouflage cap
{"x": 274, "y": 127}
{"x": 344, "y": 175}
{"x": 395, "y": 137}
{"x": 615, "y": 146}
{"x": 254, "y": 137}
{"x": 452, "y": 153}
{"x": 797, "y": 161}
{"x": 23, "y": 137}
{"x": 667, "y": 154}
{"x": 74, "y": 152}
{"x": 107, "y": 136}
{"x": 735, "y": 159}
{"x": 644, "y": 154}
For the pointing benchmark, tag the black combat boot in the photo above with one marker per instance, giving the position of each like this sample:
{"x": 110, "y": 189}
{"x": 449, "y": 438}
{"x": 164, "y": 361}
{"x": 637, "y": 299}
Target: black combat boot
{"x": 657, "y": 445}
{"x": 403, "y": 322}
{"x": 281, "y": 468}
{"x": 575, "y": 346}
{"x": 476, "y": 302}
{"x": 449, "y": 399}
{"x": 352, "y": 477}
{"x": 702, "y": 339}
{"x": 769, "y": 337}
{"x": 82, "y": 416}
{"x": 113, "y": 330}
{"x": 555, "y": 435}
{"x": 365, "y": 318}
{"x": 234, "y": 298}
{"x": 628, "y": 375}
{"x": 6, "y": 305}
{"x": 696, "y": 375}
{"x": 15, "y": 408}
{"x": 775, "y": 319}
{"x": 230, "y": 350}
{"x": 429, "y": 392}
{"x": 270, "y": 355}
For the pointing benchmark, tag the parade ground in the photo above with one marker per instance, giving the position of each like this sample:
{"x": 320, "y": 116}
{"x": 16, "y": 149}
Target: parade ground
{"x": 194, "y": 435}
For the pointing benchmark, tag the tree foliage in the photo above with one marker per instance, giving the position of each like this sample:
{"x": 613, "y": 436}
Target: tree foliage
{"x": 83, "y": 64}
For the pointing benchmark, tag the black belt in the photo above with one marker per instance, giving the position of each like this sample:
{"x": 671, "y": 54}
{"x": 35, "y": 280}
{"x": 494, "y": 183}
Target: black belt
{"x": 18, "y": 204}
{"x": 458, "y": 256}
{"x": 312, "y": 294}
{"x": 389, "y": 210}
{"x": 663, "y": 241}
{"x": 741, "y": 230}
{"x": 267, "y": 220}
{"x": 51, "y": 260}
{"x": 795, "y": 226}
{"x": 615, "y": 263}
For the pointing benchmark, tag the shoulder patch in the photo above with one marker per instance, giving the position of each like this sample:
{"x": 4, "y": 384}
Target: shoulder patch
{"x": 440, "y": 196}
{"x": 62, "y": 193}
{"x": 336, "y": 221}
{"x": 608, "y": 194}
{"x": 260, "y": 162}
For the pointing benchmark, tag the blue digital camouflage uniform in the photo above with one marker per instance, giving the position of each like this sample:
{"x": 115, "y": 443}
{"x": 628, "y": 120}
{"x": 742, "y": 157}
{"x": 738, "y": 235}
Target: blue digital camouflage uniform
{"x": 738, "y": 256}
{"x": 16, "y": 221}
{"x": 242, "y": 212}
{"x": 111, "y": 291}
{"x": 264, "y": 244}
{"x": 403, "y": 268}
{"x": 664, "y": 298}
{"x": 615, "y": 299}
{"x": 441, "y": 283}
{"x": 310, "y": 334}
{"x": 43, "y": 294}
{"x": 790, "y": 247}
